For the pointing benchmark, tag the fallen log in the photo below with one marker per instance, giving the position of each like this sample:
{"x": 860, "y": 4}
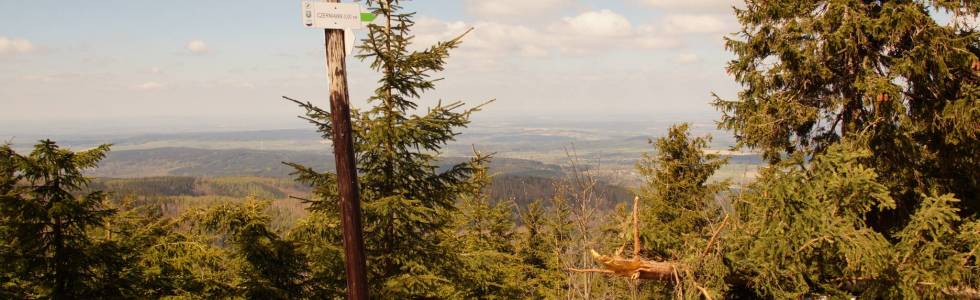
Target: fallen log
{"x": 633, "y": 268}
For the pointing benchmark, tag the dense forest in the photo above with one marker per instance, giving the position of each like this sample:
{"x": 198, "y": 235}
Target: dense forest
{"x": 866, "y": 113}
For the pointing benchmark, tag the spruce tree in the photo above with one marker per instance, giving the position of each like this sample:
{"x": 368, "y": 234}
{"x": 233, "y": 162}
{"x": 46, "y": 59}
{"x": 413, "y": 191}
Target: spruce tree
{"x": 47, "y": 251}
{"x": 678, "y": 206}
{"x": 269, "y": 266}
{"x": 678, "y": 201}
{"x": 138, "y": 250}
{"x": 408, "y": 203}
{"x": 882, "y": 73}
{"x": 485, "y": 233}
{"x": 543, "y": 276}
{"x": 802, "y": 231}
{"x": 867, "y": 113}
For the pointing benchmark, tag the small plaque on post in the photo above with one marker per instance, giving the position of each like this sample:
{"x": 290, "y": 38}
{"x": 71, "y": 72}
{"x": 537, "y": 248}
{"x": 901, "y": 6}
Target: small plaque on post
{"x": 319, "y": 14}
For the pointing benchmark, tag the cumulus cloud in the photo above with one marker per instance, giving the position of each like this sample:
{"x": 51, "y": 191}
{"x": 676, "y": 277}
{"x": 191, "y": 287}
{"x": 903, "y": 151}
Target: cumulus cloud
{"x": 583, "y": 33}
{"x": 13, "y": 46}
{"x": 603, "y": 23}
{"x": 685, "y": 23}
{"x": 714, "y": 6}
{"x": 148, "y": 86}
{"x": 515, "y": 8}
{"x": 197, "y": 47}
{"x": 487, "y": 44}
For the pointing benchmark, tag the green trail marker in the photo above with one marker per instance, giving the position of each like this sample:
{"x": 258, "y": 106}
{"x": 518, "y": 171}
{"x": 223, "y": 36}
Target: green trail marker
{"x": 367, "y": 17}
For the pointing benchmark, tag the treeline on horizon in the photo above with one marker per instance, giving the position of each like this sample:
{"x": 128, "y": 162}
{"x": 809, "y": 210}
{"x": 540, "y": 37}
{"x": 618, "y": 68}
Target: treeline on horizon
{"x": 867, "y": 113}
{"x": 520, "y": 189}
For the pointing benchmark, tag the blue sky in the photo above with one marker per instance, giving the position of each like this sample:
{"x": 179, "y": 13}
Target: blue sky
{"x": 132, "y": 62}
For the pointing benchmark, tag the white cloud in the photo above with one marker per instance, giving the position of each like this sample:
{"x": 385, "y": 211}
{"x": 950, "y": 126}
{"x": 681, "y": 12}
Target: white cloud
{"x": 197, "y": 47}
{"x": 515, "y": 8}
{"x": 606, "y": 30}
{"x": 487, "y": 40}
{"x": 684, "y": 23}
{"x": 715, "y": 6}
{"x": 585, "y": 33}
{"x": 687, "y": 58}
{"x": 15, "y": 46}
{"x": 603, "y": 23}
{"x": 149, "y": 86}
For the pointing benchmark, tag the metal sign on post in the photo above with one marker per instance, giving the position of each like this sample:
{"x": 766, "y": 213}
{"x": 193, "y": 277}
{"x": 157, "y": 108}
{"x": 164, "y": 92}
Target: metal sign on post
{"x": 338, "y": 19}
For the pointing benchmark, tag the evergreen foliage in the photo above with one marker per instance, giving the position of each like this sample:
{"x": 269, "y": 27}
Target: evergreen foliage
{"x": 542, "y": 274}
{"x": 800, "y": 230}
{"x": 883, "y": 73}
{"x": 46, "y": 250}
{"x": 485, "y": 235}
{"x": 164, "y": 257}
{"x": 827, "y": 83}
{"x": 804, "y": 231}
{"x": 408, "y": 206}
{"x": 678, "y": 201}
{"x": 270, "y": 267}
{"x": 678, "y": 211}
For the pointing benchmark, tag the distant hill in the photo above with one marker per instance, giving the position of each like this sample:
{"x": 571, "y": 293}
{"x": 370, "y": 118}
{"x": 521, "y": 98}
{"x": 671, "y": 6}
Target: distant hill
{"x": 175, "y": 189}
{"x": 245, "y": 172}
{"x": 205, "y": 162}
{"x": 238, "y": 187}
{"x": 526, "y": 189}
{"x": 247, "y": 162}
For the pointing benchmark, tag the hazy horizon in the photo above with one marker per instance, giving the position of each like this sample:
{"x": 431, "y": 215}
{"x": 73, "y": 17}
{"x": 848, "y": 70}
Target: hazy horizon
{"x": 140, "y": 67}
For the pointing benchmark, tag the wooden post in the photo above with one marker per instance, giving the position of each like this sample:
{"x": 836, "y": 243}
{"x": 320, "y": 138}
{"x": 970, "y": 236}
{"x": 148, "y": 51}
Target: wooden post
{"x": 343, "y": 149}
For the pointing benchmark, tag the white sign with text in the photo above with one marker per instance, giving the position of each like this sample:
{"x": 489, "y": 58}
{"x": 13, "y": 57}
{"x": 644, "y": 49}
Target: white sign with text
{"x": 319, "y": 14}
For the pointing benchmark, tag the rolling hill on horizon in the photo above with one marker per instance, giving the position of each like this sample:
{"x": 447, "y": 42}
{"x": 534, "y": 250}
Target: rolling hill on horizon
{"x": 196, "y": 162}
{"x": 191, "y": 172}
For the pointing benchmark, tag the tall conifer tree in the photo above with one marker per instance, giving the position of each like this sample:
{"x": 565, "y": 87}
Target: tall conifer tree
{"x": 677, "y": 199}
{"x": 408, "y": 202}
{"x": 884, "y": 73}
{"x": 538, "y": 251}
{"x": 867, "y": 111}
{"x": 678, "y": 205}
{"x": 485, "y": 232}
{"x": 43, "y": 223}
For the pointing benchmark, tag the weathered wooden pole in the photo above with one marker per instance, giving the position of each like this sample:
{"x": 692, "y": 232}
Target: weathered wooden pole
{"x": 343, "y": 149}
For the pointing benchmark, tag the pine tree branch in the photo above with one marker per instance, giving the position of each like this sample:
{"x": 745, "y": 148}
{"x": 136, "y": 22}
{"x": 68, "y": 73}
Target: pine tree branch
{"x": 591, "y": 271}
{"x": 714, "y": 236}
{"x": 679, "y": 288}
{"x": 695, "y": 282}
{"x": 636, "y": 230}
